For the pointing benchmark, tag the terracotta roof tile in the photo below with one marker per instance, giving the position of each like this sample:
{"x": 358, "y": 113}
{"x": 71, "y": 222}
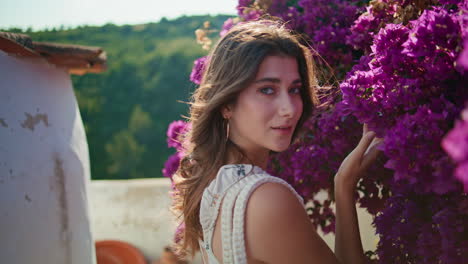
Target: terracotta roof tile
{"x": 76, "y": 58}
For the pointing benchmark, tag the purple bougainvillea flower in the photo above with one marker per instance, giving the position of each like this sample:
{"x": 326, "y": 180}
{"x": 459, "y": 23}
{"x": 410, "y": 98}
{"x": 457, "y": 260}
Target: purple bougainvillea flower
{"x": 175, "y": 132}
{"x": 433, "y": 40}
{"x": 462, "y": 60}
{"x": 171, "y": 165}
{"x": 198, "y": 69}
{"x": 450, "y": 2}
{"x": 242, "y": 4}
{"x": 227, "y": 25}
{"x": 456, "y": 145}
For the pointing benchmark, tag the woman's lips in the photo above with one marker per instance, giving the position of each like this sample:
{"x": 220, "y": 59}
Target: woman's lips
{"x": 283, "y": 129}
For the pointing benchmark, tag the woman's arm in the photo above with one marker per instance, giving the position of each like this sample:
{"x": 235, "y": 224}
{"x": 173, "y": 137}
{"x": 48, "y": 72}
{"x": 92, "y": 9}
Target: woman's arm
{"x": 348, "y": 246}
{"x": 279, "y": 231}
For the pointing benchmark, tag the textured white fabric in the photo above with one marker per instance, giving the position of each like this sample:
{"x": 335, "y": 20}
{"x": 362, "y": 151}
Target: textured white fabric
{"x": 235, "y": 183}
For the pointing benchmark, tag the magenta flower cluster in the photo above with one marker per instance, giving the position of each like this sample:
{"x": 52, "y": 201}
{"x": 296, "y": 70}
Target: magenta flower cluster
{"x": 406, "y": 93}
{"x": 175, "y": 134}
{"x": 456, "y": 145}
{"x": 423, "y": 228}
{"x": 197, "y": 70}
{"x": 410, "y": 91}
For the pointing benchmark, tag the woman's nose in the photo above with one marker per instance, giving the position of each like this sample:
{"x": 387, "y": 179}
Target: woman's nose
{"x": 287, "y": 105}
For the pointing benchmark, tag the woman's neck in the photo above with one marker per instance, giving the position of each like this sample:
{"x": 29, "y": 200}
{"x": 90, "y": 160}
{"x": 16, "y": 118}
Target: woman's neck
{"x": 258, "y": 158}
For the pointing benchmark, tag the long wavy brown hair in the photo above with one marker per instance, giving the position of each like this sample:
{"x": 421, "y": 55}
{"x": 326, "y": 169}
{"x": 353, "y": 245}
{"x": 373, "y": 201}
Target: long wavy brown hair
{"x": 232, "y": 65}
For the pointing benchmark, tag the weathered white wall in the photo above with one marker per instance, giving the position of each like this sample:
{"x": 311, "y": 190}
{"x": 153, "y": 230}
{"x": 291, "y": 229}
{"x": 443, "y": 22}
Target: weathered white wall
{"x": 44, "y": 166}
{"x": 134, "y": 211}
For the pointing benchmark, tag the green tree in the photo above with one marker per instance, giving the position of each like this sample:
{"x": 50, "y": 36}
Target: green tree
{"x": 127, "y": 108}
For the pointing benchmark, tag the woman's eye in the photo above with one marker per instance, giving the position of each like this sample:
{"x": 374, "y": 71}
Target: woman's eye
{"x": 267, "y": 90}
{"x": 295, "y": 90}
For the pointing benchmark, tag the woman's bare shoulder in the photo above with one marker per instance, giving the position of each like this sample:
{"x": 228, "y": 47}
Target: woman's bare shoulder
{"x": 278, "y": 229}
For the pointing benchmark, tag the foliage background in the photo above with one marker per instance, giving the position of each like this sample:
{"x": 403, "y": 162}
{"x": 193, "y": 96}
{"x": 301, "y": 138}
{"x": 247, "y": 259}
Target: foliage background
{"x": 126, "y": 109}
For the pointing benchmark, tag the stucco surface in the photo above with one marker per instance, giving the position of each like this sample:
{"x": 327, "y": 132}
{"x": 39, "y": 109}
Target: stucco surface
{"x": 44, "y": 166}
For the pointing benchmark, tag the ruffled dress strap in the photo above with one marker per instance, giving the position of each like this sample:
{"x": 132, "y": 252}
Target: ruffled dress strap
{"x": 233, "y": 186}
{"x": 238, "y": 233}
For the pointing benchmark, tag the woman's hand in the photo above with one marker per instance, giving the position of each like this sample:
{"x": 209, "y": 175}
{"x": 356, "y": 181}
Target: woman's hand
{"x": 354, "y": 165}
{"x": 348, "y": 245}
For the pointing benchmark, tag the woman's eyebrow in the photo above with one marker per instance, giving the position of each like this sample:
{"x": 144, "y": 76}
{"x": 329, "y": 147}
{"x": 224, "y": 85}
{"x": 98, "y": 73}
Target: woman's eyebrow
{"x": 275, "y": 80}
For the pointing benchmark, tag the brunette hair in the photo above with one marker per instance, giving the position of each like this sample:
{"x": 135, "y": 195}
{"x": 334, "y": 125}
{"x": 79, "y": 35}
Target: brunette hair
{"x": 231, "y": 66}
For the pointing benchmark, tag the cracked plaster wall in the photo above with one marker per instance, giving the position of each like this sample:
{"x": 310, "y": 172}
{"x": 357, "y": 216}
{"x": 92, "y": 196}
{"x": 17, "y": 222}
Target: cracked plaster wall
{"x": 44, "y": 166}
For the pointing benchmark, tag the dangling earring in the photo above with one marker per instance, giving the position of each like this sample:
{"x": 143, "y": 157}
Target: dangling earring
{"x": 227, "y": 130}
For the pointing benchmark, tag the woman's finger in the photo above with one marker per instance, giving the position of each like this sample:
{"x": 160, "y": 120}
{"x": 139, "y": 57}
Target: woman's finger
{"x": 365, "y": 129}
{"x": 375, "y": 143}
{"x": 371, "y": 153}
{"x": 363, "y": 144}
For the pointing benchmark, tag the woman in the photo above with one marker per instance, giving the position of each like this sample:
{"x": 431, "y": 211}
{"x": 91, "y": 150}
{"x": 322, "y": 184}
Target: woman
{"x": 256, "y": 92}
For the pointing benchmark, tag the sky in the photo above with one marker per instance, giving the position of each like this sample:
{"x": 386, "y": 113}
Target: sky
{"x": 41, "y": 14}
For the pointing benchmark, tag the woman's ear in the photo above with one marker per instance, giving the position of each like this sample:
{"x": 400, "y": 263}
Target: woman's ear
{"x": 226, "y": 111}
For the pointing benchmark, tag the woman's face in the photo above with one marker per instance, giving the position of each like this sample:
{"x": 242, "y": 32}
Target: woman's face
{"x": 267, "y": 111}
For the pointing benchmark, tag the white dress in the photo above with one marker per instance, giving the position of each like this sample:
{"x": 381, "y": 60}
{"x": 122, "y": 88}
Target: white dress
{"x": 234, "y": 182}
